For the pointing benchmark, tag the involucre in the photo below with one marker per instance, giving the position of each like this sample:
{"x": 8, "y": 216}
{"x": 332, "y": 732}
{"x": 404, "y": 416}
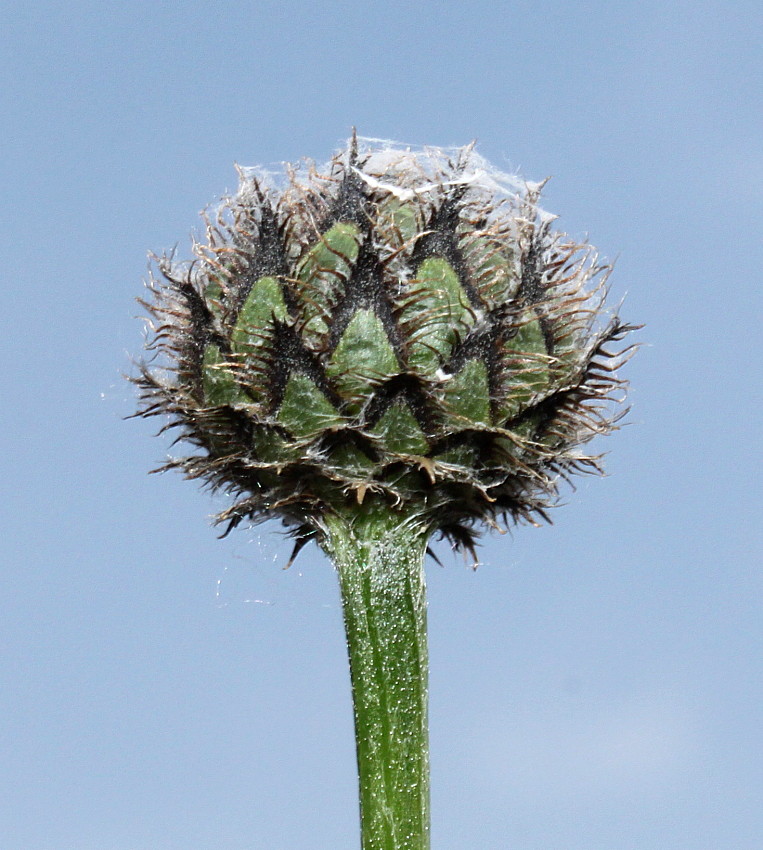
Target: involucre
{"x": 399, "y": 327}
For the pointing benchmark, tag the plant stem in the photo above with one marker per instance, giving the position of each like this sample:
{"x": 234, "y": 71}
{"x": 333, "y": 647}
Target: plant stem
{"x": 380, "y": 560}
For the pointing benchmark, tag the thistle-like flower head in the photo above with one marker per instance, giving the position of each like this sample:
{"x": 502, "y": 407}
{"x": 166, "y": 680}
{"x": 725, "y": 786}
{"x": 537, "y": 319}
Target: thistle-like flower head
{"x": 399, "y": 328}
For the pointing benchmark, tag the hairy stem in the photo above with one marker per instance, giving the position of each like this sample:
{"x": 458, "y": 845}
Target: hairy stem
{"x": 379, "y": 558}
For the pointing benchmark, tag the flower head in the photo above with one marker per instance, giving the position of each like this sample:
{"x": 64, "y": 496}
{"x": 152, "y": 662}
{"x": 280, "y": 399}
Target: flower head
{"x": 398, "y": 328}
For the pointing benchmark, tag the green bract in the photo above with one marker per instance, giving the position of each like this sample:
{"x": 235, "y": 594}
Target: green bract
{"x": 402, "y": 330}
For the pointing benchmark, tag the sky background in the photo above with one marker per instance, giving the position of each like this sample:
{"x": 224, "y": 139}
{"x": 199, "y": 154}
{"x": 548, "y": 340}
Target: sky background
{"x": 595, "y": 685}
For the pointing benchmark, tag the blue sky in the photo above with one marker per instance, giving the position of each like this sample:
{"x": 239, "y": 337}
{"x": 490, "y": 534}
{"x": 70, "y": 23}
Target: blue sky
{"x": 596, "y": 685}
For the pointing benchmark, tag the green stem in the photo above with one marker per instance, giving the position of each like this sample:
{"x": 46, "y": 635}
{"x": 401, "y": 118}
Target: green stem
{"x": 380, "y": 560}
